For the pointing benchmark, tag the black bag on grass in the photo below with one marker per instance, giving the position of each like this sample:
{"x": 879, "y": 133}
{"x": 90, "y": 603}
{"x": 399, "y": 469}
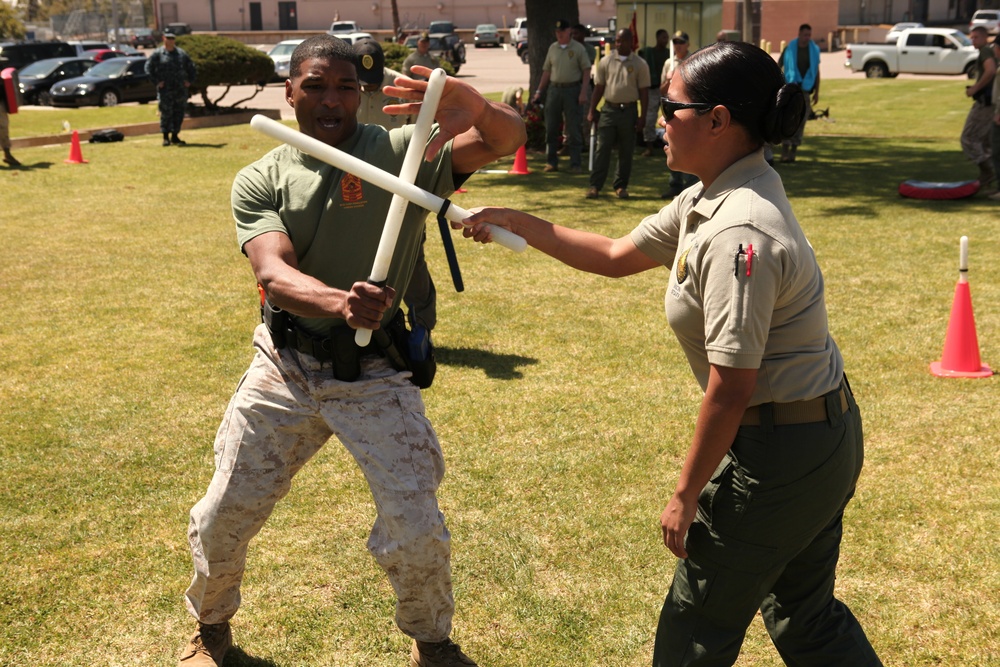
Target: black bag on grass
{"x": 106, "y": 136}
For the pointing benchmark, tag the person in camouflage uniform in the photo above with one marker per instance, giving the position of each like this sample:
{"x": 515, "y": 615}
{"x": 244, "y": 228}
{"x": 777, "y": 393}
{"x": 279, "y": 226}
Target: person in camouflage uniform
{"x": 173, "y": 72}
{"x": 311, "y": 232}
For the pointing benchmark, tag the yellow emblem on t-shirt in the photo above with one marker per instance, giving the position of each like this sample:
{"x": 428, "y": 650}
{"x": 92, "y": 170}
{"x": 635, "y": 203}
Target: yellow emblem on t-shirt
{"x": 367, "y": 61}
{"x": 682, "y": 267}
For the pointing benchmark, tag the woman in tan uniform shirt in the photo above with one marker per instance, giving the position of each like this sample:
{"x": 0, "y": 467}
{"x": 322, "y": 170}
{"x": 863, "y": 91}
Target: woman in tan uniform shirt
{"x": 756, "y": 515}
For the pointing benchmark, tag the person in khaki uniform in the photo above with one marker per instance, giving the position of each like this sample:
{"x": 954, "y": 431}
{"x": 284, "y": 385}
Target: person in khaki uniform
{"x": 374, "y": 77}
{"x": 681, "y": 44}
{"x": 311, "y": 233}
{"x": 622, "y": 80}
{"x": 566, "y": 83}
{"x": 778, "y": 423}
{"x": 5, "y": 132}
{"x": 420, "y": 57}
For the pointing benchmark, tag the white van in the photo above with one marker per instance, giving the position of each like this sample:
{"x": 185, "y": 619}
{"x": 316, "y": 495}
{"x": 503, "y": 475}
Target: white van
{"x": 519, "y": 31}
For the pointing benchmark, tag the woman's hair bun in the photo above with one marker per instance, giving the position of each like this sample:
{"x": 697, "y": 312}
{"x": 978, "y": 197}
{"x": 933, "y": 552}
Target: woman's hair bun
{"x": 783, "y": 120}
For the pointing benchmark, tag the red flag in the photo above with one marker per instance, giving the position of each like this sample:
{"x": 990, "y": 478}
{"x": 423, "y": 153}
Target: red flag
{"x": 635, "y": 34}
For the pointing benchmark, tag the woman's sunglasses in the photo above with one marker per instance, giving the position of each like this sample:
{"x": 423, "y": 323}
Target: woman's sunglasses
{"x": 669, "y": 107}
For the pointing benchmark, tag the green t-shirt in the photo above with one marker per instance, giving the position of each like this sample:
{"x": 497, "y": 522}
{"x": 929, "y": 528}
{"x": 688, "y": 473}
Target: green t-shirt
{"x": 335, "y": 220}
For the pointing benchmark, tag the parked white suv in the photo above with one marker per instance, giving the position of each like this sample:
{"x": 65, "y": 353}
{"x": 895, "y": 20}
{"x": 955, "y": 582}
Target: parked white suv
{"x": 519, "y": 31}
{"x": 343, "y": 28}
{"x": 988, "y": 18}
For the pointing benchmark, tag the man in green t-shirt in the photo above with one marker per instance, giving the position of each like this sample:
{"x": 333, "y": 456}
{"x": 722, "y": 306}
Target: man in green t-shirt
{"x": 311, "y": 233}
{"x": 656, "y": 57}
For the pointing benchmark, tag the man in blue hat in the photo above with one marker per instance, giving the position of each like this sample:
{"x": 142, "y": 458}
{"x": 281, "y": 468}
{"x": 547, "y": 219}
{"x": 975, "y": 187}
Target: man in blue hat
{"x": 173, "y": 72}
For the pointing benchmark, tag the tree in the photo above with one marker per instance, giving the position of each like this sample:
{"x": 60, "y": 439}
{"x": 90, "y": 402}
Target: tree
{"x": 748, "y": 21}
{"x": 542, "y": 16}
{"x": 10, "y": 25}
{"x": 395, "y": 20}
{"x": 222, "y": 61}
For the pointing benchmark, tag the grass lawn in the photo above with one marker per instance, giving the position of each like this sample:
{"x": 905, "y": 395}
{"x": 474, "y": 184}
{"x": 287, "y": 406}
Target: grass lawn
{"x": 563, "y": 404}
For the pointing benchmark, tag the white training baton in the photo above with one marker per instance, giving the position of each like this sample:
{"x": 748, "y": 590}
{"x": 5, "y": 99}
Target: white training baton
{"x": 376, "y": 176}
{"x": 407, "y": 174}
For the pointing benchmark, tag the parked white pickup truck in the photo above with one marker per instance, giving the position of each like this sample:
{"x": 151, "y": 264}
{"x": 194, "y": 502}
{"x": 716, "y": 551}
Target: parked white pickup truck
{"x": 917, "y": 51}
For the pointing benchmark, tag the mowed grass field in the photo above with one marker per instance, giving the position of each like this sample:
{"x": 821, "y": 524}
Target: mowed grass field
{"x": 563, "y": 404}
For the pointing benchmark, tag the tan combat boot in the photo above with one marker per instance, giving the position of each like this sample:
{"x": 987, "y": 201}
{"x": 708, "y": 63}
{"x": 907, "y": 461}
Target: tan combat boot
{"x": 439, "y": 654}
{"x": 207, "y": 647}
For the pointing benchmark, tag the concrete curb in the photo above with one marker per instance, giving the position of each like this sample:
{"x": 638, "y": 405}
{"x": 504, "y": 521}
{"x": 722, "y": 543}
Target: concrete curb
{"x": 148, "y": 128}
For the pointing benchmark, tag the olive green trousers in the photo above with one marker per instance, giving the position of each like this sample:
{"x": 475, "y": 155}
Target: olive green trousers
{"x": 767, "y": 536}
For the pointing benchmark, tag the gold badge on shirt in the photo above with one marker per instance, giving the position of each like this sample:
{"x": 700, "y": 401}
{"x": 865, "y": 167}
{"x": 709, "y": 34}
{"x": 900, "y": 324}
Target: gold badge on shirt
{"x": 629, "y": 69}
{"x": 682, "y": 267}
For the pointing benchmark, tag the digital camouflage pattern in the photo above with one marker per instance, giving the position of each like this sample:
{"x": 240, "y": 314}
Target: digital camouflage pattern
{"x": 284, "y": 410}
{"x": 173, "y": 69}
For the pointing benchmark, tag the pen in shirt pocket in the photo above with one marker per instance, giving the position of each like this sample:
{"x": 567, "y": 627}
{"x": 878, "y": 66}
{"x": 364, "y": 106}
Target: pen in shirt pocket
{"x": 749, "y": 258}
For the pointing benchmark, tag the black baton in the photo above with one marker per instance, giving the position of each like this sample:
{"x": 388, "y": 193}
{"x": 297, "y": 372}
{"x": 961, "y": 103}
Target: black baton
{"x": 449, "y": 247}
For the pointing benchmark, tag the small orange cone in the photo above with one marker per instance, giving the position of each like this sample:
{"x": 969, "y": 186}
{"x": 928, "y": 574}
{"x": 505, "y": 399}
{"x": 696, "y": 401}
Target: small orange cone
{"x": 75, "y": 154}
{"x": 520, "y": 162}
{"x": 960, "y": 358}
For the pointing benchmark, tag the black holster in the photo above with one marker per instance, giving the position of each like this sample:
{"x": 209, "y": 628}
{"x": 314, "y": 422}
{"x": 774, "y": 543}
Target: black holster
{"x": 395, "y": 342}
{"x": 344, "y": 355}
{"x": 276, "y": 320}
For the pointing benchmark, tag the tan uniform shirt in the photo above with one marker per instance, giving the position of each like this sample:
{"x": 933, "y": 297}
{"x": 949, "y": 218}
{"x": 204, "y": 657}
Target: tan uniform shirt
{"x": 773, "y": 319}
{"x": 416, "y": 59}
{"x": 566, "y": 65}
{"x": 669, "y": 68}
{"x": 370, "y": 112}
{"x": 624, "y": 81}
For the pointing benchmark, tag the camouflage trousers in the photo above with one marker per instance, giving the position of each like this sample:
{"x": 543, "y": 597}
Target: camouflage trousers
{"x": 4, "y": 128}
{"x": 975, "y": 137}
{"x": 173, "y": 104}
{"x": 285, "y": 408}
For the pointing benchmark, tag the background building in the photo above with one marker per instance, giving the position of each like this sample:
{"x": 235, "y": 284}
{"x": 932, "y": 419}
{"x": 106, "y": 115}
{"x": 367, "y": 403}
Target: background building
{"x": 372, "y": 15}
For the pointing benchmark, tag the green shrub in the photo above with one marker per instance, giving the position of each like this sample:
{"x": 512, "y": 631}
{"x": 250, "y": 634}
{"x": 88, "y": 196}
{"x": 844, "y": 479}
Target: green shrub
{"x": 222, "y": 61}
{"x": 395, "y": 54}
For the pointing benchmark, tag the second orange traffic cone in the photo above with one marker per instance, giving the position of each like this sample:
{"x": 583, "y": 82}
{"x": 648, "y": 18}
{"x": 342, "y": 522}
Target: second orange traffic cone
{"x": 961, "y": 345}
{"x": 75, "y": 154}
{"x": 520, "y": 162}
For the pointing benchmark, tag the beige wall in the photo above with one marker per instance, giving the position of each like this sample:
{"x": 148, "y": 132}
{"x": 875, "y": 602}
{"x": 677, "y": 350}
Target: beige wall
{"x": 373, "y": 14}
{"x": 780, "y": 19}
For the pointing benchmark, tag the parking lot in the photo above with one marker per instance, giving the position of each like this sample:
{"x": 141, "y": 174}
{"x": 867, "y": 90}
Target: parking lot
{"x": 490, "y": 70}
{"x": 494, "y": 70}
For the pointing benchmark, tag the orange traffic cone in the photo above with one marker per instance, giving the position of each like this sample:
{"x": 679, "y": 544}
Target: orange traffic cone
{"x": 961, "y": 346}
{"x": 75, "y": 154}
{"x": 520, "y": 162}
